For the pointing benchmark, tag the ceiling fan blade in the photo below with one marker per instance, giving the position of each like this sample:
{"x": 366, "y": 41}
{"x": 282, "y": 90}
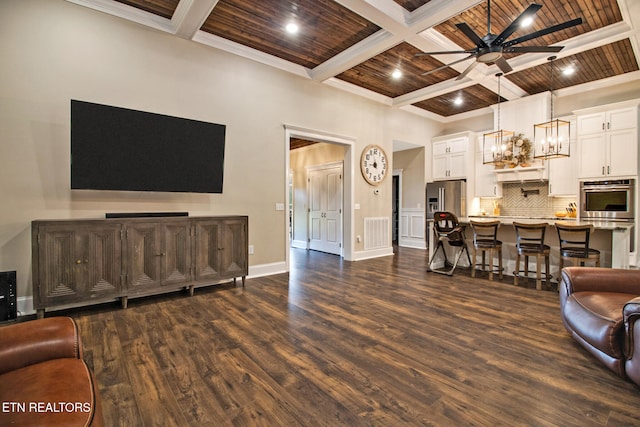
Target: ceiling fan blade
{"x": 540, "y": 33}
{"x": 447, "y": 65}
{"x": 446, "y": 52}
{"x": 517, "y": 23}
{"x": 503, "y": 65}
{"x": 466, "y": 29}
{"x": 533, "y": 49}
{"x": 465, "y": 72}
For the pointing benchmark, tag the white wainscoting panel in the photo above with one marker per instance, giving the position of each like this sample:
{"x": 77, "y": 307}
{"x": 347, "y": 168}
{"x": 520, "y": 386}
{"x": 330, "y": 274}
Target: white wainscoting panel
{"x": 411, "y": 231}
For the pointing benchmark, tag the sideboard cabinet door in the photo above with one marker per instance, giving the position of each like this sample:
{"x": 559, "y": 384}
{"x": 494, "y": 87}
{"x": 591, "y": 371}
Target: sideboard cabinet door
{"x": 75, "y": 262}
{"x": 158, "y": 254}
{"x": 221, "y": 248}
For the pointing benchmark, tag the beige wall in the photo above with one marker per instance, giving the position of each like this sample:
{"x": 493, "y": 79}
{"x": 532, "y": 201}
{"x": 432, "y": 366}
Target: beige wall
{"x": 413, "y": 184}
{"x": 54, "y": 51}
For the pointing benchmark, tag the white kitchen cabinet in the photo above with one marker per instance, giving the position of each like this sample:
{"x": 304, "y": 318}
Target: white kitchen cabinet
{"x": 450, "y": 158}
{"x": 563, "y": 175}
{"x": 486, "y": 183}
{"x": 563, "y": 172}
{"x": 608, "y": 142}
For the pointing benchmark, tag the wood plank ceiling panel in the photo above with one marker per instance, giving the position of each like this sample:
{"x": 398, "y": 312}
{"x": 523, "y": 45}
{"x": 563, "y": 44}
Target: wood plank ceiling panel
{"x": 375, "y": 73}
{"x": 473, "y": 98}
{"x": 295, "y": 143}
{"x": 595, "y": 14}
{"x": 595, "y": 64}
{"x": 164, "y": 8}
{"x": 411, "y": 5}
{"x": 326, "y": 28}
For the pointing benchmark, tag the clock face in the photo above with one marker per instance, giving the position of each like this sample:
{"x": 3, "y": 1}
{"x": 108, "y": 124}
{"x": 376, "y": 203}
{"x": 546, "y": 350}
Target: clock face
{"x": 374, "y": 164}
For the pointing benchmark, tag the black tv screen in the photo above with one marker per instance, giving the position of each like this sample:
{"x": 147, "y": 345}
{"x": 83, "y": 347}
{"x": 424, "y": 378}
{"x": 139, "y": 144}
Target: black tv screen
{"x": 115, "y": 148}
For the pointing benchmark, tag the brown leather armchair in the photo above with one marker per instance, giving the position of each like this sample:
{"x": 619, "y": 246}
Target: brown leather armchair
{"x": 43, "y": 379}
{"x": 600, "y": 307}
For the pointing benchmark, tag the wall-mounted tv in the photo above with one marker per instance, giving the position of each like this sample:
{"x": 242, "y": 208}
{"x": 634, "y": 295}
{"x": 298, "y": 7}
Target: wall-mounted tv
{"x": 115, "y": 148}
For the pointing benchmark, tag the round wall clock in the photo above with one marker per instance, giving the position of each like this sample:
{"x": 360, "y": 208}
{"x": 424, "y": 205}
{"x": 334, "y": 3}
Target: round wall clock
{"x": 374, "y": 164}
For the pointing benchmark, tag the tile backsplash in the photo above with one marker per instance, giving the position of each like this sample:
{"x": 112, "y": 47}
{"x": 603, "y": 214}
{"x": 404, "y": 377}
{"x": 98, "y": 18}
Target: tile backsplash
{"x": 514, "y": 202}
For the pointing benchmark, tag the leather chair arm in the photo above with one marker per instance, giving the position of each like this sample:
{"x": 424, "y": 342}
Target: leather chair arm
{"x": 631, "y": 316}
{"x": 577, "y": 279}
{"x": 28, "y": 343}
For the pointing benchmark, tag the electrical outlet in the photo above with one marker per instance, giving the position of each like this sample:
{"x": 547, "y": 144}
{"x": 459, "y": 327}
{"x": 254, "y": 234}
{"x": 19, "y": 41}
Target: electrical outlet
{"x": 250, "y": 249}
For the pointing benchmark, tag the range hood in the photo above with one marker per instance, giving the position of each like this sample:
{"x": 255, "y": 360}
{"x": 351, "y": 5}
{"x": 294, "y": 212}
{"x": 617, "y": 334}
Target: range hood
{"x": 519, "y": 174}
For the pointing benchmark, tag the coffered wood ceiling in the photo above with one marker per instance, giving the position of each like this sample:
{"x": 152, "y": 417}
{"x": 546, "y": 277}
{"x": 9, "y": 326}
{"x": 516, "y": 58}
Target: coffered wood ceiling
{"x": 356, "y": 45}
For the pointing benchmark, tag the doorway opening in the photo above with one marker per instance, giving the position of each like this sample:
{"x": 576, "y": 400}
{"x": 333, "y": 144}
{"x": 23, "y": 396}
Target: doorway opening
{"x": 346, "y": 146}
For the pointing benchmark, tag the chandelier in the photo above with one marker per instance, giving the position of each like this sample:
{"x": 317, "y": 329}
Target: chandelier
{"x": 552, "y": 138}
{"x": 494, "y": 144}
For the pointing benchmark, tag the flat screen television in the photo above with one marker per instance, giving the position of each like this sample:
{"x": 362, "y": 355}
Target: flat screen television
{"x": 115, "y": 148}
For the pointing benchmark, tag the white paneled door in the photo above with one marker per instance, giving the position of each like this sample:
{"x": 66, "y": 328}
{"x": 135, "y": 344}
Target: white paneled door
{"x": 325, "y": 209}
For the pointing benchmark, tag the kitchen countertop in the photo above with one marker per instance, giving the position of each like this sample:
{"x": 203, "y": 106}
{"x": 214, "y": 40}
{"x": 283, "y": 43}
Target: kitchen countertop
{"x": 597, "y": 224}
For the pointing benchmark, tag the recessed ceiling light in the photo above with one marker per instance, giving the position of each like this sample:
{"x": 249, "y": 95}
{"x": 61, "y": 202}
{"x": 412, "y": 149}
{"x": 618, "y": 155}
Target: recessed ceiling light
{"x": 568, "y": 71}
{"x": 458, "y": 101}
{"x": 396, "y": 74}
{"x": 292, "y": 28}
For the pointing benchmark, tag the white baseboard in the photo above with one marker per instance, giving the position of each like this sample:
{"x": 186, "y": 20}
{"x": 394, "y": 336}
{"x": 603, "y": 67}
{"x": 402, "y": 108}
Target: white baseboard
{"x": 266, "y": 269}
{"x": 412, "y": 243}
{"x": 372, "y": 253}
{"x": 25, "y": 306}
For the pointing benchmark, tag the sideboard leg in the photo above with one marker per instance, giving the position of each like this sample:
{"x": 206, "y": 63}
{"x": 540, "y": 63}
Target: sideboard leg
{"x": 40, "y": 313}
{"x": 192, "y": 288}
{"x": 243, "y": 279}
{"x": 124, "y": 301}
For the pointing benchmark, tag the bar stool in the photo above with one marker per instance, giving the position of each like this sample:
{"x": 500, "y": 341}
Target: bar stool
{"x": 485, "y": 238}
{"x": 530, "y": 242}
{"x": 574, "y": 244}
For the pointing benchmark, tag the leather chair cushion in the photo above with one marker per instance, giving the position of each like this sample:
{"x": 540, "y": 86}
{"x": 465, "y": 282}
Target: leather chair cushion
{"x": 58, "y": 392}
{"x": 597, "y": 318}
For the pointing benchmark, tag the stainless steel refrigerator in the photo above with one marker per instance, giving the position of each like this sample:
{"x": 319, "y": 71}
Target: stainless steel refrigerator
{"x": 449, "y": 196}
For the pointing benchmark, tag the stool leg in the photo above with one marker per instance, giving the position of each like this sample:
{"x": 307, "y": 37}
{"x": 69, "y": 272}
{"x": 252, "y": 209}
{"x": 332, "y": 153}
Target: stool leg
{"x": 490, "y": 264}
{"x": 517, "y": 272}
{"x": 526, "y": 268}
{"x": 473, "y": 265}
{"x": 546, "y": 270}
{"x": 484, "y": 259}
{"x": 500, "y": 263}
{"x": 538, "y": 272}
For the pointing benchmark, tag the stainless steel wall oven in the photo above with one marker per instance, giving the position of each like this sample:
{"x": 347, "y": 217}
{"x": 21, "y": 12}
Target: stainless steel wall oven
{"x": 610, "y": 200}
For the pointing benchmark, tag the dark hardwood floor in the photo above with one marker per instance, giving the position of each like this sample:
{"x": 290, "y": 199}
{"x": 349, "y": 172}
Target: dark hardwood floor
{"x": 334, "y": 343}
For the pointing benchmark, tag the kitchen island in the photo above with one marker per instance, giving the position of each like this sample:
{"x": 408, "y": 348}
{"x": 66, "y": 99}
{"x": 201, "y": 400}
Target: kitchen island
{"x": 611, "y": 238}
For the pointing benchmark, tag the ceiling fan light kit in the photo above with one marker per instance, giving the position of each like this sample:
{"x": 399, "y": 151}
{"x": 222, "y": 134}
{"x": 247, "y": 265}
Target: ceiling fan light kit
{"x": 490, "y": 48}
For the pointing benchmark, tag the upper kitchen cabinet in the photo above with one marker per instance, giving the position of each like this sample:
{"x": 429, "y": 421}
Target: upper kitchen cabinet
{"x": 608, "y": 140}
{"x": 450, "y": 156}
{"x": 563, "y": 172}
{"x": 486, "y": 183}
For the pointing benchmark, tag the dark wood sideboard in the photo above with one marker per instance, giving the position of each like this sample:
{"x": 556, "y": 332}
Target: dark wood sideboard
{"x": 84, "y": 262}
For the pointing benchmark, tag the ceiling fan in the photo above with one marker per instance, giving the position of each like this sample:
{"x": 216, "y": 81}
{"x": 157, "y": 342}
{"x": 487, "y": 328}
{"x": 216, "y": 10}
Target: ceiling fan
{"x": 490, "y": 48}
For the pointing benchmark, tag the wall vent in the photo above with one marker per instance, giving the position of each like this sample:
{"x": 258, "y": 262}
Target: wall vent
{"x": 376, "y": 233}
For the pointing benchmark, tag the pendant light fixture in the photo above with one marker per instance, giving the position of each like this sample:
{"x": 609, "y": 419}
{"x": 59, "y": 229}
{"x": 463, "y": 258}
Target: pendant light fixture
{"x": 552, "y": 138}
{"x": 494, "y": 144}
